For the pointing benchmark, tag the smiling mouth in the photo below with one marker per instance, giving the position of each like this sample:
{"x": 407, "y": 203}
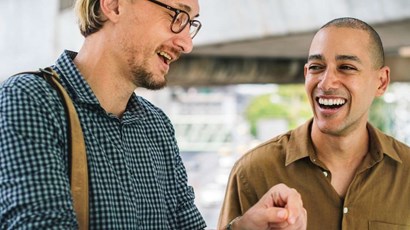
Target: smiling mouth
{"x": 325, "y": 103}
{"x": 166, "y": 57}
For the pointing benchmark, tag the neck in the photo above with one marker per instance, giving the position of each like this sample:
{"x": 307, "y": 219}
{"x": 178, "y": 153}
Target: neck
{"x": 104, "y": 75}
{"x": 341, "y": 149}
{"x": 342, "y": 154}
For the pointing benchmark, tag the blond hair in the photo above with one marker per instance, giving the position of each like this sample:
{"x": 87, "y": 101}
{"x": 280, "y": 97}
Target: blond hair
{"x": 90, "y": 17}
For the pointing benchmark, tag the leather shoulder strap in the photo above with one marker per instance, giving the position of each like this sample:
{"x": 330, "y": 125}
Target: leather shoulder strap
{"x": 77, "y": 156}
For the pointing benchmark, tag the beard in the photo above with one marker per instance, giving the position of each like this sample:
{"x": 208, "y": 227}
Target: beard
{"x": 142, "y": 78}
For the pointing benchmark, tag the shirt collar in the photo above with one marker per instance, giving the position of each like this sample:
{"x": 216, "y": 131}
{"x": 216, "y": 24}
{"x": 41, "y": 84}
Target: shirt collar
{"x": 77, "y": 86}
{"x": 80, "y": 90}
{"x": 381, "y": 144}
{"x": 301, "y": 146}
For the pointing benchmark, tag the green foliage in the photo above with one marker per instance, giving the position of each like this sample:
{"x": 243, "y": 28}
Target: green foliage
{"x": 289, "y": 102}
{"x": 379, "y": 115}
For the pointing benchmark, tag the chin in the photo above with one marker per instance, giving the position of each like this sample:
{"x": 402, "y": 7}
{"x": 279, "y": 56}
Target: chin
{"x": 326, "y": 126}
{"x": 144, "y": 79}
{"x": 154, "y": 84}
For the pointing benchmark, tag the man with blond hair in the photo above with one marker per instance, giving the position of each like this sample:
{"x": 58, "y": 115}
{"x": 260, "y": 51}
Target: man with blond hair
{"x": 136, "y": 176}
{"x": 137, "y": 179}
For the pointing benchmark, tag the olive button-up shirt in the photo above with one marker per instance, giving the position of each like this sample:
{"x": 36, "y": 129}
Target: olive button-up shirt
{"x": 377, "y": 198}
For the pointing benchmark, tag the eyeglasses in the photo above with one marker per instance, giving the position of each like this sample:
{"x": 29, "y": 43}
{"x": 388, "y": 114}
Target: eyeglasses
{"x": 180, "y": 20}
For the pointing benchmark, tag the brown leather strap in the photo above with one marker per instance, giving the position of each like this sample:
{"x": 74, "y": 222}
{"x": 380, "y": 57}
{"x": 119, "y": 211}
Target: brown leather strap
{"x": 79, "y": 168}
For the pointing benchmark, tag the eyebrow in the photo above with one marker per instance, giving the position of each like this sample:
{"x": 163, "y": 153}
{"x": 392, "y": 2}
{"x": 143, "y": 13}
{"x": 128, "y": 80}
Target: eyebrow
{"x": 186, "y": 8}
{"x": 319, "y": 57}
{"x": 315, "y": 57}
{"x": 349, "y": 58}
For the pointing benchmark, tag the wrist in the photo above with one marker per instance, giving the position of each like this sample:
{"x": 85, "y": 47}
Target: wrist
{"x": 233, "y": 224}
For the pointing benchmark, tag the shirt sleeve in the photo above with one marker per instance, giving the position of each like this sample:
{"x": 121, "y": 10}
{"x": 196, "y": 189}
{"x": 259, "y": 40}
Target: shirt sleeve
{"x": 187, "y": 214}
{"x": 237, "y": 199}
{"x": 34, "y": 186}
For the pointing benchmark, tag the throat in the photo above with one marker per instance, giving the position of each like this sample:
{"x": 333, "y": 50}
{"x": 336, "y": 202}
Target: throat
{"x": 343, "y": 174}
{"x": 341, "y": 182}
{"x": 114, "y": 105}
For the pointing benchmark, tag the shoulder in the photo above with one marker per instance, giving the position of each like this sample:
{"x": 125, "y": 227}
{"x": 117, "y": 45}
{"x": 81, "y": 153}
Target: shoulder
{"x": 28, "y": 95}
{"x": 20, "y": 80}
{"x": 402, "y": 149}
{"x": 392, "y": 147}
{"x": 31, "y": 108}
{"x": 28, "y": 83}
{"x": 270, "y": 152}
{"x": 271, "y": 146}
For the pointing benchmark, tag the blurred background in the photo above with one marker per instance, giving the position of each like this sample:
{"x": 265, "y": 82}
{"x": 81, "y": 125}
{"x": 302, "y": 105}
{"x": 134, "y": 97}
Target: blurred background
{"x": 242, "y": 84}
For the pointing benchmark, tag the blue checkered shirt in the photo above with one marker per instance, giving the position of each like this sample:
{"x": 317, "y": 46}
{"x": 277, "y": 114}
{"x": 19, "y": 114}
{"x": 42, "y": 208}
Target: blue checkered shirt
{"x": 137, "y": 178}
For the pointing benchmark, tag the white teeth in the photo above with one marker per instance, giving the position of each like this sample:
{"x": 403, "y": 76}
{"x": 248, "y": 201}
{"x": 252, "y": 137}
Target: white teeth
{"x": 330, "y": 102}
{"x": 165, "y": 55}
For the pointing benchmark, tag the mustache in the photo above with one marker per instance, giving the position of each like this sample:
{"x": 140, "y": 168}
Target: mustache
{"x": 329, "y": 92}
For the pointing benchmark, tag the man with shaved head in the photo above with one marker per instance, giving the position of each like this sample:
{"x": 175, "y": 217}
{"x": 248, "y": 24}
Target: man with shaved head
{"x": 350, "y": 175}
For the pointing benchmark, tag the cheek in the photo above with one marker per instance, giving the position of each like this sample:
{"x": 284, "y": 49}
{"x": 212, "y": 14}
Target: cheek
{"x": 310, "y": 84}
{"x": 363, "y": 97}
{"x": 309, "y": 89}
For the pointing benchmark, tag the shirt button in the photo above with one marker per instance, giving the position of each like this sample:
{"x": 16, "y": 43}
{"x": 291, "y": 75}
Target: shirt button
{"x": 345, "y": 210}
{"x": 325, "y": 173}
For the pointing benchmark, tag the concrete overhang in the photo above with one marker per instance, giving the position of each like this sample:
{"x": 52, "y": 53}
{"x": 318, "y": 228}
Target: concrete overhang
{"x": 276, "y": 59}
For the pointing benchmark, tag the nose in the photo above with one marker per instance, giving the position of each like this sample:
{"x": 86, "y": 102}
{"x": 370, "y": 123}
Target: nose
{"x": 328, "y": 81}
{"x": 184, "y": 41}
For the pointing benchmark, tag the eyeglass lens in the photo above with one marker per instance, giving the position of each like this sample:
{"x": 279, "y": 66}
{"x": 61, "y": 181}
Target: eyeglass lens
{"x": 181, "y": 20}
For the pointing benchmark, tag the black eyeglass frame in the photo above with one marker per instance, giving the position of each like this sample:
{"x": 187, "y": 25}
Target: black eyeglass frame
{"x": 177, "y": 12}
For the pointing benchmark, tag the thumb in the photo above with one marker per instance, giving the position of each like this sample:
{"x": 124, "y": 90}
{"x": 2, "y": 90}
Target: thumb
{"x": 277, "y": 215}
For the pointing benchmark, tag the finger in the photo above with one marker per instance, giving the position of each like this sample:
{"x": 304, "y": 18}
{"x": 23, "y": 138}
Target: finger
{"x": 282, "y": 195}
{"x": 301, "y": 220}
{"x": 276, "y": 215}
{"x": 294, "y": 204}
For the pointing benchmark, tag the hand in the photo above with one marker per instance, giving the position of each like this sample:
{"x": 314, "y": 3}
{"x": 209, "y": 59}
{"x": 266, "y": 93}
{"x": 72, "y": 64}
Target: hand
{"x": 280, "y": 208}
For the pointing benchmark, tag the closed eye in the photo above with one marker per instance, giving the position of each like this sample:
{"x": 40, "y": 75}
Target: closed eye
{"x": 347, "y": 67}
{"x": 315, "y": 68}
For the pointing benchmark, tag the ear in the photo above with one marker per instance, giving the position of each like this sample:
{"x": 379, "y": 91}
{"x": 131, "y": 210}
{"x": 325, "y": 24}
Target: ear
{"x": 384, "y": 80}
{"x": 110, "y": 8}
{"x": 305, "y": 69}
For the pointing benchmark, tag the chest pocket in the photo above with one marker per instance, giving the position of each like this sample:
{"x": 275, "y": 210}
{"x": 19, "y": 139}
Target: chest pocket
{"x": 375, "y": 225}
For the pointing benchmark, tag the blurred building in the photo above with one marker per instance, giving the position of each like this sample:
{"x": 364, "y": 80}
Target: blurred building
{"x": 241, "y": 41}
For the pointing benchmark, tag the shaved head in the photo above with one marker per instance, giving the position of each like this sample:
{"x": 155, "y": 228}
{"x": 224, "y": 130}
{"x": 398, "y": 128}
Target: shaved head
{"x": 375, "y": 43}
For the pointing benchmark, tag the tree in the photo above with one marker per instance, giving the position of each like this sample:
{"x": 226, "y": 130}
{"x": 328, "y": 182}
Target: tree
{"x": 288, "y": 102}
